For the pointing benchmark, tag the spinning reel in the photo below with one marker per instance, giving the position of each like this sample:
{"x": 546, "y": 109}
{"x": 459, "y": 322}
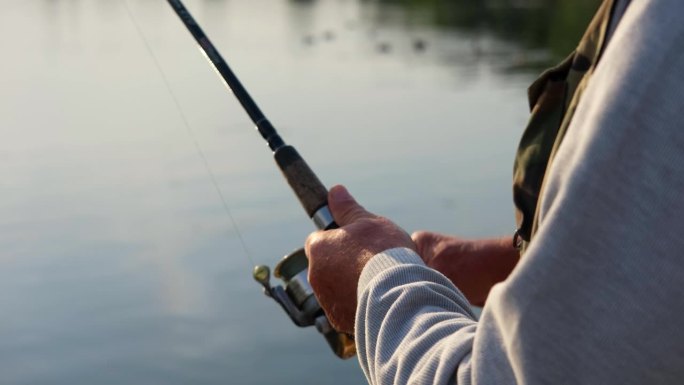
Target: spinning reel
{"x": 297, "y": 298}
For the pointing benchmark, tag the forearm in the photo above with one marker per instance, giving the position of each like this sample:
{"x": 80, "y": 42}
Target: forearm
{"x": 474, "y": 266}
{"x": 497, "y": 257}
{"x": 413, "y": 325}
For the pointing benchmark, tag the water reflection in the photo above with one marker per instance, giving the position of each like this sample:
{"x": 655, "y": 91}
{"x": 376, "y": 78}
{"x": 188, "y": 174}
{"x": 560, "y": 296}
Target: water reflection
{"x": 520, "y": 35}
{"x": 118, "y": 265}
{"x": 553, "y": 26}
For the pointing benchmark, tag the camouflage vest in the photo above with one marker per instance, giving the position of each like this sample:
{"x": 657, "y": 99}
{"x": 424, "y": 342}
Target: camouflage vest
{"x": 553, "y": 99}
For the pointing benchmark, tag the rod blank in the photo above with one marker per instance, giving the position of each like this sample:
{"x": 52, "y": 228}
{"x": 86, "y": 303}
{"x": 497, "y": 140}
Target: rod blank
{"x": 264, "y": 127}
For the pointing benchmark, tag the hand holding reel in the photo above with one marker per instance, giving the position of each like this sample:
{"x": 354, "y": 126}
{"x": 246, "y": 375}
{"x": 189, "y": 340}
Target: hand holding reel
{"x": 296, "y": 297}
{"x": 298, "y": 300}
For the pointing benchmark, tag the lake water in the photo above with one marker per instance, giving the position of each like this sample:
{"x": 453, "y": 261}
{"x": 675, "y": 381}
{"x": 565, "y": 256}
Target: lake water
{"x": 118, "y": 264}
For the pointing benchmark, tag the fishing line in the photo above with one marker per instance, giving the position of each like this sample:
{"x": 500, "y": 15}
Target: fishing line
{"x": 297, "y": 297}
{"x": 191, "y": 133}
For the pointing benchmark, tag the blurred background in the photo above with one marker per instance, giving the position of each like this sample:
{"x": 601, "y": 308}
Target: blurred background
{"x": 117, "y": 262}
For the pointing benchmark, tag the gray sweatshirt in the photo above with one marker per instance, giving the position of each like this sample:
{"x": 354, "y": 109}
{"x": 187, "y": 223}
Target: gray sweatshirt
{"x": 598, "y": 298}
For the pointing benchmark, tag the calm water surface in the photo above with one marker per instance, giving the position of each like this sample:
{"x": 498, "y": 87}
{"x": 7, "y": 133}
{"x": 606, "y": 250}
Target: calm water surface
{"x": 118, "y": 264}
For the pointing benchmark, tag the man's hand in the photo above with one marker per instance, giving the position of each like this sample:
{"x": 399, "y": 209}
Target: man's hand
{"x": 337, "y": 257}
{"x": 474, "y": 266}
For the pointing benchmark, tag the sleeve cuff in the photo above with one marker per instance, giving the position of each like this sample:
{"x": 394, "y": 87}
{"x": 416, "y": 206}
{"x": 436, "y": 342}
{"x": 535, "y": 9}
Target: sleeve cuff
{"x": 386, "y": 260}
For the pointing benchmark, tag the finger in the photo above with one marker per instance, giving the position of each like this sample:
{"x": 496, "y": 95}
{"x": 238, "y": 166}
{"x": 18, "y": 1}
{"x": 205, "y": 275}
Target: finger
{"x": 419, "y": 236}
{"x": 344, "y": 208}
{"x": 313, "y": 244}
{"x": 425, "y": 242}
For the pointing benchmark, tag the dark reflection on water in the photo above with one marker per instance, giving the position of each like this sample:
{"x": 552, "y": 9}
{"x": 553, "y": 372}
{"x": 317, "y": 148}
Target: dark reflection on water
{"x": 514, "y": 36}
{"x": 117, "y": 263}
{"x": 543, "y": 32}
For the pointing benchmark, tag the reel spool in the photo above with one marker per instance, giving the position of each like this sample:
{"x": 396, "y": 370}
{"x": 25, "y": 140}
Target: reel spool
{"x": 299, "y": 302}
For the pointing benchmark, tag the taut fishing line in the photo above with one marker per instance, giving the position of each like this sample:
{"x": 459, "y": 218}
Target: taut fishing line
{"x": 296, "y": 298}
{"x": 191, "y": 132}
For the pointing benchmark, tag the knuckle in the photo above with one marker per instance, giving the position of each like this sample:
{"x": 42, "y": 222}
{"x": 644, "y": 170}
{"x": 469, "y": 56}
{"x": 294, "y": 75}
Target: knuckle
{"x": 352, "y": 214}
{"x": 382, "y": 221}
{"x": 418, "y": 236}
{"x": 312, "y": 277}
{"x": 313, "y": 244}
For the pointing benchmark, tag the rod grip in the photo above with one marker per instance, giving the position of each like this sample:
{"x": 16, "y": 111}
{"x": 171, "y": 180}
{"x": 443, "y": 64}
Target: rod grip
{"x": 311, "y": 193}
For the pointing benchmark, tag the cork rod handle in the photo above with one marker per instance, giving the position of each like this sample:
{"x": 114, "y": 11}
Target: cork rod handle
{"x": 311, "y": 193}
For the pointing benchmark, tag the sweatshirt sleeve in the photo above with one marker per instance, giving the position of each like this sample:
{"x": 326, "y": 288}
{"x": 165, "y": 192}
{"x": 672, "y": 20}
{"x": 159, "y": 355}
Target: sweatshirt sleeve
{"x": 403, "y": 302}
{"x": 598, "y": 296}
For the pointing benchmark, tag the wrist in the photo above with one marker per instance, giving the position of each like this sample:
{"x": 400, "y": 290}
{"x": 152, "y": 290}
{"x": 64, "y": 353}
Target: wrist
{"x": 384, "y": 261}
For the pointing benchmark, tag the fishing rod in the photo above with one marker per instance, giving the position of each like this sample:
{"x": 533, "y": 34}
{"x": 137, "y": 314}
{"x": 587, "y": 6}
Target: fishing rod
{"x": 296, "y": 297}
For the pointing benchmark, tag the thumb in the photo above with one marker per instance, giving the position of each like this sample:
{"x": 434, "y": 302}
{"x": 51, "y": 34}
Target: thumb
{"x": 344, "y": 208}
